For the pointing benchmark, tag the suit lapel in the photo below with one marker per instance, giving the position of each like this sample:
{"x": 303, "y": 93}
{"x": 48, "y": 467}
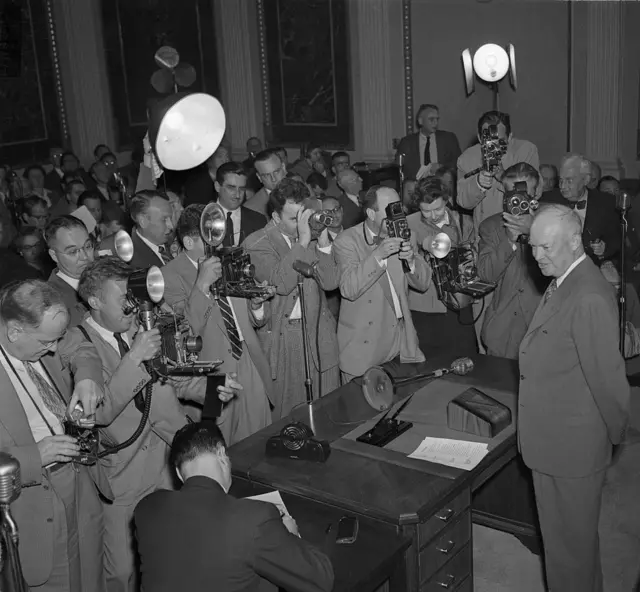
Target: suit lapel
{"x": 12, "y": 413}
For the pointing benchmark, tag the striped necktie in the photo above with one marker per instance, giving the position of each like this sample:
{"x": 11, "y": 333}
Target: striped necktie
{"x": 50, "y": 397}
{"x": 166, "y": 257}
{"x": 232, "y": 329}
{"x": 551, "y": 288}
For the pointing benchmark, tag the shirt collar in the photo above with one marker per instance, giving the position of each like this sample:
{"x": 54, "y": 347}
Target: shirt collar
{"x": 195, "y": 263}
{"x": 235, "y": 214}
{"x": 69, "y": 280}
{"x": 104, "y": 333}
{"x": 571, "y": 268}
{"x": 152, "y": 246}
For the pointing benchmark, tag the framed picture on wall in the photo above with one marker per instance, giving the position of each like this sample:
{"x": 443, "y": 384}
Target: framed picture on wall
{"x": 306, "y": 83}
{"x": 32, "y": 118}
{"x": 133, "y": 32}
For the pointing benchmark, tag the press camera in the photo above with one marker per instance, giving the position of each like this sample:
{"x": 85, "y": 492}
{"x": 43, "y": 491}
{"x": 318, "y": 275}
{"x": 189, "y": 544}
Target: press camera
{"x": 396, "y": 221}
{"x": 492, "y": 148}
{"x": 325, "y": 219}
{"x": 518, "y": 201}
{"x": 238, "y": 273}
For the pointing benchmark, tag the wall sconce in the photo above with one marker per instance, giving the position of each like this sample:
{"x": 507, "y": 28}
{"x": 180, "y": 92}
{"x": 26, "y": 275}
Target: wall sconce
{"x": 490, "y": 63}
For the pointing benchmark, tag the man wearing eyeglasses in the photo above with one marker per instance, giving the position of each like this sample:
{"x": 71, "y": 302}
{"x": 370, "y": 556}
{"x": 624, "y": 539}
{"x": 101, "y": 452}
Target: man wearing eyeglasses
{"x": 71, "y": 249}
{"x": 270, "y": 170}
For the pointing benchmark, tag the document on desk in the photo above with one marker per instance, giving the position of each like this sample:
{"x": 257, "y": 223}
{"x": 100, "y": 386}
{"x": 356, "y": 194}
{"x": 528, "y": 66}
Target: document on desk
{"x": 273, "y": 497}
{"x": 459, "y": 454}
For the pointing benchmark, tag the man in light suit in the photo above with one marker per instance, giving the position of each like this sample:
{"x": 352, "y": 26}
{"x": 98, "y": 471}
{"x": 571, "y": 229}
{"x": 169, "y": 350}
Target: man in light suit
{"x": 505, "y": 258}
{"x": 72, "y": 249}
{"x": 483, "y": 192}
{"x": 231, "y": 181}
{"x": 375, "y": 324}
{"x": 426, "y": 150}
{"x": 188, "y": 280}
{"x": 140, "y": 468}
{"x": 573, "y": 400}
{"x": 274, "y": 250}
{"x": 58, "y": 513}
{"x": 239, "y": 545}
{"x": 270, "y": 170}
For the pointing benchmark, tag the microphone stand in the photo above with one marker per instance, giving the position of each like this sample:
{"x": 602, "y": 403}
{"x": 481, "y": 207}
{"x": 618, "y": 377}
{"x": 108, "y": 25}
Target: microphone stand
{"x": 308, "y": 383}
{"x": 623, "y": 205}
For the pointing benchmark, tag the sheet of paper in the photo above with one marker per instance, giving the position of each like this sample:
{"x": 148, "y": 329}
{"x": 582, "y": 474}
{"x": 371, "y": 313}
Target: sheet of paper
{"x": 84, "y": 215}
{"x": 452, "y": 453}
{"x": 273, "y": 497}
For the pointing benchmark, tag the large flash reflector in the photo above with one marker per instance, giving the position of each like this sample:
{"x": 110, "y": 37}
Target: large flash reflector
{"x": 147, "y": 284}
{"x": 213, "y": 224}
{"x": 186, "y": 129}
{"x": 440, "y": 246}
{"x": 491, "y": 62}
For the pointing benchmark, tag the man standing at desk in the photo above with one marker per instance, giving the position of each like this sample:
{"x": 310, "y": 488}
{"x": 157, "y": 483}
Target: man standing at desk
{"x": 573, "y": 399}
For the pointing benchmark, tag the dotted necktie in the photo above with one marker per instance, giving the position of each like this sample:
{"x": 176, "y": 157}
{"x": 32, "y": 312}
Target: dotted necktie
{"x": 551, "y": 288}
{"x": 427, "y": 151}
{"x": 229, "y": 235}
{"x": 50, "y": 397}
{"x": 232, "y": 330}
{"x": 166, "y": 257}
{"x": 123, "y": 348}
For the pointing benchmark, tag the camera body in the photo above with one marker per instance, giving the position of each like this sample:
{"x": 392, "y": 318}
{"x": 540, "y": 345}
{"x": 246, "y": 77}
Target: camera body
{"x": 457, "y": 272}
{"x": 324, "y": 219}
{"x": 396, "y": 221}
{"x": 238, "y": 273}
{"x": 492, "y": 148}
{"x": 88, "y": 439}
{"x": 518, "y": 201}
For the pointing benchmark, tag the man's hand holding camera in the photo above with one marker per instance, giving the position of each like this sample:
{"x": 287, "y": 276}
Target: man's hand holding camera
{"x": 146, "y": 346}
{"x": 230, "y": 389}
{"x": 389, "y": 246}
{"x": 407, "y": 254}
{"x": 304, "y": 230}
{"x": 58, "y": 449}
{"x": 209, "y": 272}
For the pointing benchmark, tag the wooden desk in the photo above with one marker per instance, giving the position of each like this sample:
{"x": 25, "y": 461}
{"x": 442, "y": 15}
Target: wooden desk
{"x": 376, "y": 557}
{"x": 433, "y": 511}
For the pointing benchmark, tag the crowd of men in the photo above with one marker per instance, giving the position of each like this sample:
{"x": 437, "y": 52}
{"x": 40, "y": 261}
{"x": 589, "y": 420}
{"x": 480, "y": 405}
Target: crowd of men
{"x": 370, "y": 299}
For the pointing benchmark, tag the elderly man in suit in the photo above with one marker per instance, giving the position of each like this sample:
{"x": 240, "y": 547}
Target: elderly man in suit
{"x": 72, "y": 249}
{"x": 505, "y": 258}
{"x": 350, "y": 183}
{"x": 285, "y": 240}
{"x": 573, "y": 399}
{"x": 227, "y": 326}
{"x": 242, "y": 544}
{"x": 58, "y": 513}
{"x": 426, "y": 150}
{"x": 375, "y": 324}
{"x": 231, "y": 181}
{"x": 597, "y": 210}
{"x": 483, "y": 191}
{"x": 270, "y": 170}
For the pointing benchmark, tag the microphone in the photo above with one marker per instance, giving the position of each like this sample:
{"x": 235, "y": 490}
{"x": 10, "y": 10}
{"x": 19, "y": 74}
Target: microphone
{"x": 305, "y": 269}
{"x": 9, "y": 479}
{"x": 459, "y": 366}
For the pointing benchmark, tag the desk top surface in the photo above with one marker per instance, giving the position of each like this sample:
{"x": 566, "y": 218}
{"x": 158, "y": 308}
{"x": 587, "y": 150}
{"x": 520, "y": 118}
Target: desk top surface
{"x": 374, "y": 484}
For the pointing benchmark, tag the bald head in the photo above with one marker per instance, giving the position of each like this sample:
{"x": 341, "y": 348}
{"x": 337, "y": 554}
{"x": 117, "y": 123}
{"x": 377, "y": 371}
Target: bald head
{"x": 556, "y": 239}
{"x": 575, "y": 174}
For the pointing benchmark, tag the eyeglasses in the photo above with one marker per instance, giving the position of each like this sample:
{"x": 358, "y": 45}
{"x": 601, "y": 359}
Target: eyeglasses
{"x": 87, "y": 249}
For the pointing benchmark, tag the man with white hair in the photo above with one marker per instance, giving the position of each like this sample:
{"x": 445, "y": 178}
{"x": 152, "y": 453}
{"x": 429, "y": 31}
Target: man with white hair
{"x": 596, "y": 210}
{"x": 573, "y": 401}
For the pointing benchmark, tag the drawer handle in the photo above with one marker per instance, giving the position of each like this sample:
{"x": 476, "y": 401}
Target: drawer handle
{"x": 446, "y": 515}
{"x": 447, "y": 547}
{"x": 451, "y": 580}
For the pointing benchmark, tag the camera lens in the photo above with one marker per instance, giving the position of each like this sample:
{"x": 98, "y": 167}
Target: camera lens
{"x": 193, "y": 344}
{"x": 249, "y": 271}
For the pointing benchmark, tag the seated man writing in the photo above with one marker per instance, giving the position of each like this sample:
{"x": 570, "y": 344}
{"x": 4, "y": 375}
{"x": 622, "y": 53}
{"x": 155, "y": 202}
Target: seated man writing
{"x": 232, "y": 544}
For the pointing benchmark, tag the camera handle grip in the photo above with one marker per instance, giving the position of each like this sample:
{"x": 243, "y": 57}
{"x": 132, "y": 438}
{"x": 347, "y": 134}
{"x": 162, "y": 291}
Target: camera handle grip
{"x": 405, "y": 266}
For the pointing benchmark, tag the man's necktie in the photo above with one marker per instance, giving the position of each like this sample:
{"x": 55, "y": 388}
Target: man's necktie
{"x": 229, "y": 234}
{"x": 232, "y": 330}
{"x": 123, "y": 348}
{"x": 580, "y": 205}
{"x": 427, "y": 151}
{"x": 51, "y": 399}
{"x": 551, "y": 288}
{"x": 166, "y": 257}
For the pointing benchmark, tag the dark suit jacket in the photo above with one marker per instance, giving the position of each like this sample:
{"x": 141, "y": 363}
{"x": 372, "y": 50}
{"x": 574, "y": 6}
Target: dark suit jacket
{"x": 53, "y": 182}
{"x": 448, "y": 151}
{"x": 232, "y": 544}
{"x": 14, "y": 268}
{"x": 198, "y": 186}
{"x": 77, "y": 308}
{"x": 601, "y": 222}
{"x": 143, "y": 256}
{"x": 351, "y": 213}
{"x": 574, "y": 396}
{"x": 250, "y": 221}
{"x": 517, "y": 294}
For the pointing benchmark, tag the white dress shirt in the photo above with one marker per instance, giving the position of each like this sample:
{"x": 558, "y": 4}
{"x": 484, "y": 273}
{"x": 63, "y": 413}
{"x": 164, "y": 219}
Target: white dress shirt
{"x": 153, "y": 247}
{"x": 107, "y": 335}
{"x": 236, "y": 221}
{"x": 69, "y": 280}
{"x": 353, "y": 198}
{"x": 38, "y": 426}
{"x": 433, "y": 148}
{"x": 394, "y": 295}
{"x": 571, "y": 268}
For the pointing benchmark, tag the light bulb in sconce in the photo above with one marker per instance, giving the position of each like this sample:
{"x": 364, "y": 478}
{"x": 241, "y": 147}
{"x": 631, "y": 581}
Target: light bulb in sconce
{"x": 491, "y": 62}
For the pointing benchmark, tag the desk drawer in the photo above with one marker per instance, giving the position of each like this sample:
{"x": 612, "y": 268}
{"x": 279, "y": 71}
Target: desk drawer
{"x": 448, "y": 542}
{"x": 443, "y": 517}
{"x": 452, "y": 574}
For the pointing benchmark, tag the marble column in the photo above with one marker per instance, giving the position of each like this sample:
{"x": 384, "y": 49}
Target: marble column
{"x": 238, "y": 87}
{"x": 84, "y": 79}
{"x": 604, "y": 84}
{"x": 374, "y": 65}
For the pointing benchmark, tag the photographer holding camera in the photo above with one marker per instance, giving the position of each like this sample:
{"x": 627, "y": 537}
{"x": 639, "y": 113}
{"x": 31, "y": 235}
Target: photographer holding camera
{"x": 505, "y": 258}
{"x": 375, "y": 324}
{"x": 140, "y": 468}
{"x": 227, "y": 326}
{"x": 482, "y": 191}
